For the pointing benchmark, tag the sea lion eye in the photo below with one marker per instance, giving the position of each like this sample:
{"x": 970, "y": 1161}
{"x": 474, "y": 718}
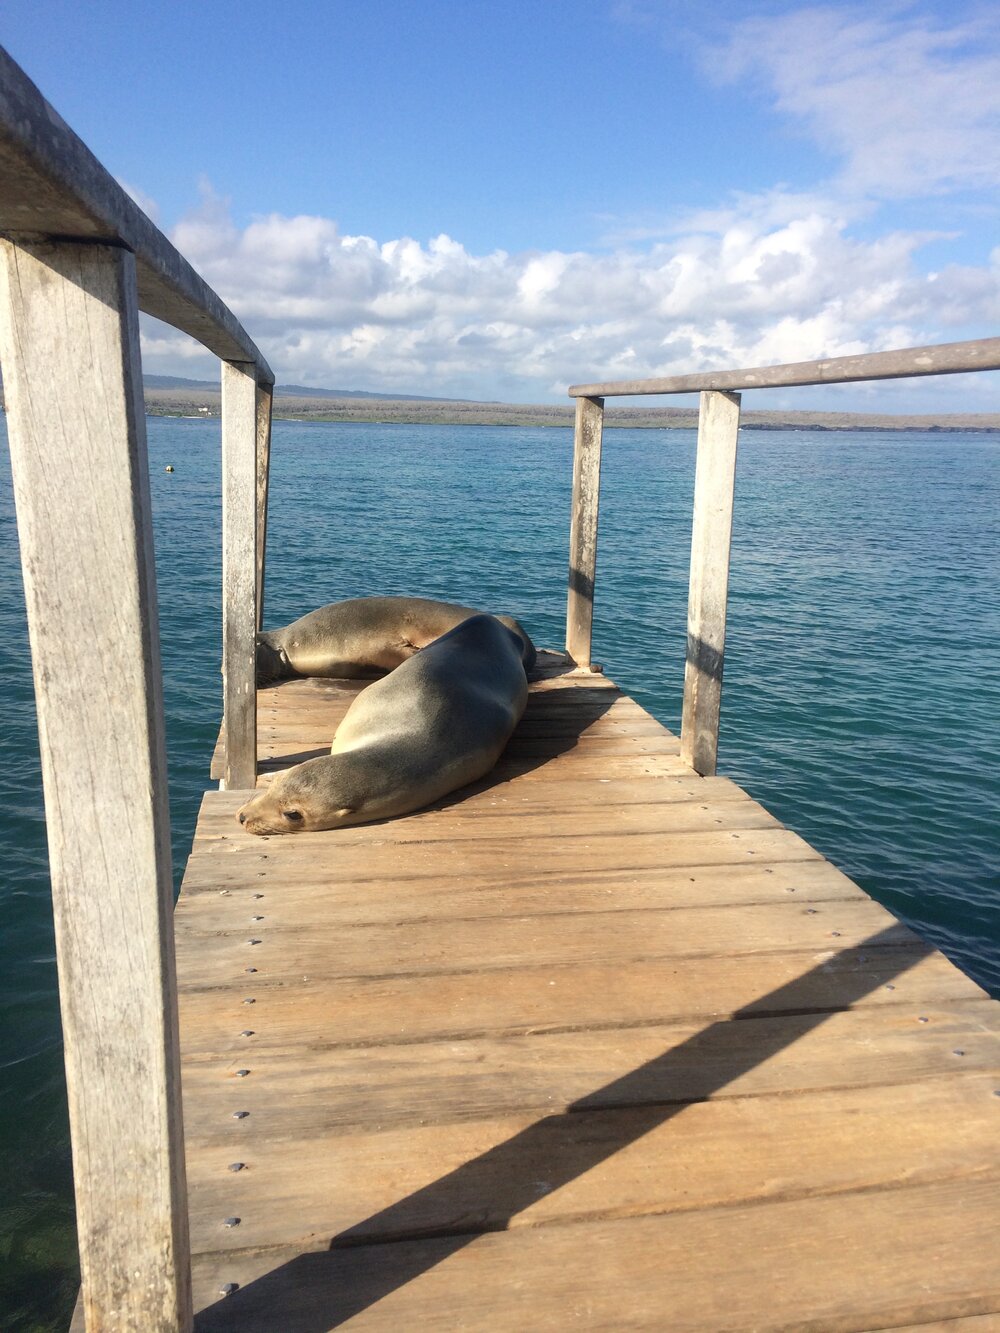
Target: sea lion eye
{"x": 294, "y": 815}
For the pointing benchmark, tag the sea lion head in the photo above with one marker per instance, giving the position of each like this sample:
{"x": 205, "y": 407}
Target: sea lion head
{"x": 319, "y": 794}
{"x": 272, "y": 661}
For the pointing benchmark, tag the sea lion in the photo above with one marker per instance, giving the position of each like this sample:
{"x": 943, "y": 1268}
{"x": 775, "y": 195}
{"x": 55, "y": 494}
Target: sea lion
{"x": 364, "y": 636}
{"x": 438, "y": 721}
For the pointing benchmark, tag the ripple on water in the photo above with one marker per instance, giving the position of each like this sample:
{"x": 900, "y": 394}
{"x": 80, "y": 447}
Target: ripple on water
{"x": 862, "y": 691}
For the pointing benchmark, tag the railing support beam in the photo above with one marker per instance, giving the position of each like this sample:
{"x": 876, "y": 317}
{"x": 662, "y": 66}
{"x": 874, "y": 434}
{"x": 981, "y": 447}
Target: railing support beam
{"x": 265, "y": 399}
{"x": 583, "y": 528}
{"x": 239, "y": 570}
{"x": 715, "y": 477}
{"x": 69, "y": 343}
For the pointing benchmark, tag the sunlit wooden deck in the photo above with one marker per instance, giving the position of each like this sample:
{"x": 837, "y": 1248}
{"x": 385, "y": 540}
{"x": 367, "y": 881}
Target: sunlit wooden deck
{"x": 597, "y": 1044}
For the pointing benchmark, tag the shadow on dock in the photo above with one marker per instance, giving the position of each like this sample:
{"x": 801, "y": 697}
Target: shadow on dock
{"x": 553, "y": 723}
{"x": 321, "y": 1290}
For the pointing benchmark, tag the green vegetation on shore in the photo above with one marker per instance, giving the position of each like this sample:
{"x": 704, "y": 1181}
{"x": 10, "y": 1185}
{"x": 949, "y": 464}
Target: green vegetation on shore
{"x": 189, "y": 402}
{"x": 194, "y": 399}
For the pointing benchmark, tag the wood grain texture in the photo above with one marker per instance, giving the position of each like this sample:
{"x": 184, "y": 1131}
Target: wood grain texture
{"x": 832, "y": 1264}
{"x": 905, "y": 363}
{"x": 265, "y": 399}
{"x": 583, "y": 528}
{"x": 324, "y": 1090}
{"x": 284, "y": 952}
{"x": 240, "y": 572}
{"x": 215, "y": 891}
{"x": 711, "y": 533}
{"x": 551, "y": 1167}
{"x": 976, "y": 1323}
{"x": 69, "y": 343}
{"x": 592, "y": 1000}
{"x": 530, "y": 1000}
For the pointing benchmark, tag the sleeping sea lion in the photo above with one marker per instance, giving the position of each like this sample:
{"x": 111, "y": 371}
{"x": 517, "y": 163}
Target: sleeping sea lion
{"x": 440, "y": 720}
{"x": 364, "y": 636}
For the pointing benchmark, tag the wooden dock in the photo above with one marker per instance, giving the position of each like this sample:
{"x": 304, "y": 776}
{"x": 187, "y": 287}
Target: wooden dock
{"x": 596, "y": 1044}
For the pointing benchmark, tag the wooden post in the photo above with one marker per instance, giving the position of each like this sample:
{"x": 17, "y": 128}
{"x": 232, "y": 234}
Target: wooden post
{"x": 583, "y": 528}
{"x": 69, "y": 344}
{"x": 239, "y": 570}
{"x": 715, "y": 476}
{"x": 264, "y": 403}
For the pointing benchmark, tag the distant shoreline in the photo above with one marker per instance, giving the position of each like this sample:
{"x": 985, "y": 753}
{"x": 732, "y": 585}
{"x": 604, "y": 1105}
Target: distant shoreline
{"x": 205, "y": 404}
{"x": 400, "y": 412}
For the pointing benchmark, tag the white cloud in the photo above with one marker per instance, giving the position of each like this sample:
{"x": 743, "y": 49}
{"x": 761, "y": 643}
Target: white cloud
{"x": 910, "y": 106}
{"x": 748, "y": 285}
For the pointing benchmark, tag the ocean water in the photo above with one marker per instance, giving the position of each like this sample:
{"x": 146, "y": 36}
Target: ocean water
{"x": 861, "y": 700}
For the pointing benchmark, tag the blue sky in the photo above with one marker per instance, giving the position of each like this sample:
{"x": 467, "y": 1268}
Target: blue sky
{"x": 496, "y": 199}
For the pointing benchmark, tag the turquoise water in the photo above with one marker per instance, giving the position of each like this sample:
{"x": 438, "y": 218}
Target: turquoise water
{"x": 861, "y": 704}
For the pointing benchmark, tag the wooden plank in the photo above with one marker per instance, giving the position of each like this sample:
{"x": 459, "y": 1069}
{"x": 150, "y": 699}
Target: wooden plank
{"x": 326, "y": 696}
{"x": 583, "y": 528}
{"x": 263, "y": 440}
{"x": 556, "y": 727}
{"x": 69, "y": 343}
{"x": 299, "y": 721}
{"x": 938, "y": 359}
{"x": 553, "y": 713}
{"x": 217, "y": 894}
{"x": 451, "y": 822}
{"x": 402, "y": 1009}
{"x": 543, "y": 765}
{"x": 239, "y": 572}
{"x": 567, "y": 676}
{"x": 838, "y": 1262}
{"x": 606, "y": 760}
{"x": 599, "y": 990}
{"x": 524, "y": 754}
{"x": 715, "y": 477}
{"x": 640, "y": 737}
{"x": 977, "y": 1323}
{"x": 51, "y": 184}
{"x": 287, "y": 952}
{"x": 376, "y": 859}
{"x": 315, "y": 1088}
{"x": 321, "y": 698}
{"x": 552, "y": 795}
{"x": 525, "y": 1171}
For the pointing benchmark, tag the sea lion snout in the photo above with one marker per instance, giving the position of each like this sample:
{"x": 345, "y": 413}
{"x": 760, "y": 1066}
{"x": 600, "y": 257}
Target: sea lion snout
{"x": 303, "y": 799}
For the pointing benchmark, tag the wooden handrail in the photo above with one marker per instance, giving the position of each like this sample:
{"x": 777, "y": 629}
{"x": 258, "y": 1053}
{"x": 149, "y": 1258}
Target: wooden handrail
{"x": 78, "y": 260}
{"x": 239, "y": 572}
{"x": 718, "y": 428}
{"x": 905, "y": 363}
{"x": 53, "y": 189}
{"x": 69, "y": 343}
{"x": 52, "y": 186}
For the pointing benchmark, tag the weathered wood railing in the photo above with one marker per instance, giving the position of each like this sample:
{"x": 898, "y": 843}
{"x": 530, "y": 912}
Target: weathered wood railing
{"x": 715, "y": 476}
{"x": 78, "y": 260}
